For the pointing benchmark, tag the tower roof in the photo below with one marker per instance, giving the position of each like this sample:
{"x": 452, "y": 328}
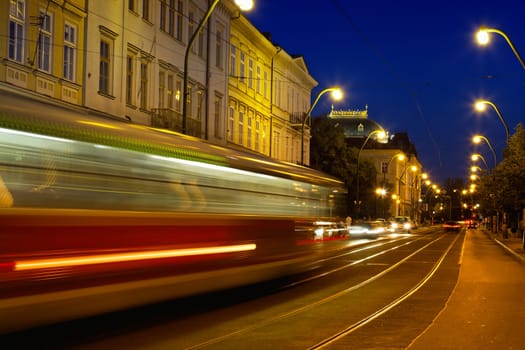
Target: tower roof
{"x": 355, "y": 122}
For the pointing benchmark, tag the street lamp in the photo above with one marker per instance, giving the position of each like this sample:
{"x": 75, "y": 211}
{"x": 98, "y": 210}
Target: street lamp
{"x": 480, "y": 106}
{"x": 483, "y": 39}
{"x": 244, "y": 5}
{"x": 477, "y": 140}
{"x": 380, "y": 135}
{"x": 477, "y": 156}
{"x": 337, "y": 94}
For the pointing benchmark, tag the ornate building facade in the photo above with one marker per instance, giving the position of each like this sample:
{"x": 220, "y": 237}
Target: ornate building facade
{"x": 126, "y": 60}
{"x": 399, "y": 171}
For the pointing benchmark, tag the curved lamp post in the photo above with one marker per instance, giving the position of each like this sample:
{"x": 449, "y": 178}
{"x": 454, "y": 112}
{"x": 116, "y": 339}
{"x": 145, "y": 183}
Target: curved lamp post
{"x": 477, "y": 140}
{"x": 244, "y": 5}
{"x": 480, "y": 106}
{"x": 477, "y": 156}
{"x": 381, "y": 134}
{"x": 337, "y": 94}
{"x": 483, "y": 38}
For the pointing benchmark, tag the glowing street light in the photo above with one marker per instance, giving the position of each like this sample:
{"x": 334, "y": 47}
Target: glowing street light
{"x": 380, "y": 135}
{"x": 483, "y": 38}
{"x": 477, "y": 140}
{"x": 244, "y": 5}
{"x": 480, "y": 106}
{"x": 337, "y": 94}
{"x": 477, "y": 156}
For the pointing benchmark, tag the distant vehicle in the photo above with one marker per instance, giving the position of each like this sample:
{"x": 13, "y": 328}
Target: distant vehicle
{"x": 472, "y": 224}
{"x": 401, "y": 224}
{"x": 382, "y": 222}
{"x": 452, "y": 226}
{"x": 367, "y": 228}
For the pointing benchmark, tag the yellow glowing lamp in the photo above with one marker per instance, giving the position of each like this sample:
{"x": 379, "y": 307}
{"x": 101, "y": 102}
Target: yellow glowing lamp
{"x": 482, "y": 37}
{"x": 244, "y": 5}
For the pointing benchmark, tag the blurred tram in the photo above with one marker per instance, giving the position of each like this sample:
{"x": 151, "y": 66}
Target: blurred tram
{"x": 98, "y": 215}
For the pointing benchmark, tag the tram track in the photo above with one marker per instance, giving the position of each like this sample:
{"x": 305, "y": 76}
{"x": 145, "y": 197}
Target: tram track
{"x": 327, "y": 308}
{"x": 223, "y": 340}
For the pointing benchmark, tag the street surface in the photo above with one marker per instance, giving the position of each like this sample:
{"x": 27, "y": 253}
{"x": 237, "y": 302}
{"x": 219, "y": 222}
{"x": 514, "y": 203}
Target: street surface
{"x": 487, "y": 308}
{"x": 395, "y": 292}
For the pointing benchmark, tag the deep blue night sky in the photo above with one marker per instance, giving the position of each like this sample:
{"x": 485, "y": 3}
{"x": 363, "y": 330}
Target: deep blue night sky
{"x": 415, "y": 64}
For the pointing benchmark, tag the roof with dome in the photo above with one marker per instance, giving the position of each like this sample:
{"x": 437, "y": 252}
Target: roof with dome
{"x": 355, "y": 123}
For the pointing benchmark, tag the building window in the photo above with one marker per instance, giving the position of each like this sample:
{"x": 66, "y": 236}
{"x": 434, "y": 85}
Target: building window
{"x": 189, "y": 100}
{"x": 218, "y": 48}
{"x": 217, "y": 115}
{"x": 167, "y": 16}
{"x": 233, "y": 60}
{"x": 70, "y": 46}
{"x": 130, "y": 60}
{"x": 264, "y": 138}
{"x": 178, "y": 96}
{"x": 180, "y": 17}
{"x": 191, "y": 26}
{"x": 250, "y": 73}
{"x": 105, "y": 66}
{"x": 17, "y": 17}
{"x": 143, "y": 85}
{"x": 384, "y": 167}
{"x": 44, "y": 42}
{"x": 163, "y": 16}
{"x": 201, "y": 48}
{"x": 277, "y": 144}
{"x": 242, "y": 67}
{"x": 257, "y": 134}
{"x": 249, "y": 130}
{"x": 132, "y": 6}
{"x": 162, "y": 89}
{"x": 265, "y": 84}
{"x": 146, "y": 9}
{"x": 200, "y": 100}
{"x": 231, "y": 123}
{"x": 258, "y": 81}
{"x": 241, "y": 126}
{"x": 170, "y": 91}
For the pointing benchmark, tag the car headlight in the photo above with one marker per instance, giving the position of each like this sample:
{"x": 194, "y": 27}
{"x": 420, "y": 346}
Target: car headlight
{"x": 319, "y": 232}
{"x": 406, "y": 225}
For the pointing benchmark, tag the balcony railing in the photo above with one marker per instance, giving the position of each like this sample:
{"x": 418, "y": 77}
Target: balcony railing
{"x": 296, "y": 120}
{"x": 172, "y": 120}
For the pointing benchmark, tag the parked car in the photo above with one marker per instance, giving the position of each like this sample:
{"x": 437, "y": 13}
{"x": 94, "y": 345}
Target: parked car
{"x": 451, "y": 226}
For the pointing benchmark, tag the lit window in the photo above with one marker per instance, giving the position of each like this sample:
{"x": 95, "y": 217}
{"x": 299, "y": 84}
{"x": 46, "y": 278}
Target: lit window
{"x": 17, "y": 19}
{"x": 70, "y": 45}
{"x": 105, "y": 66}
{"x": 44, "y": 42}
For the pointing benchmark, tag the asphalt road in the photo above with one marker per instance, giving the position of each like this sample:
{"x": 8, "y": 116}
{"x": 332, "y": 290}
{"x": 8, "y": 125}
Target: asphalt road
{"x": 487, "y": 307}
{"x": 430, "y": 290}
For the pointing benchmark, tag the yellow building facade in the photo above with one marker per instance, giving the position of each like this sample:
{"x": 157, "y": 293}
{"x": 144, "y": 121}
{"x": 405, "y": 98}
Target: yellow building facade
{"x": 43, "y": 52}
{"x": 268, "y": 94}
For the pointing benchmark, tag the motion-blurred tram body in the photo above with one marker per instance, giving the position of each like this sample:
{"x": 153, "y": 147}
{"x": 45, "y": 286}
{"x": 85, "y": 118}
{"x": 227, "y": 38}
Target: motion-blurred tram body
{"x": 106, "y": 215}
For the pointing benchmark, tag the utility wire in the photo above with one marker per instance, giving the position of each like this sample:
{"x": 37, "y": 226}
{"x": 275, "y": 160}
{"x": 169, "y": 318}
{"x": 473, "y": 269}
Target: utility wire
{"x": 387, "y": 64}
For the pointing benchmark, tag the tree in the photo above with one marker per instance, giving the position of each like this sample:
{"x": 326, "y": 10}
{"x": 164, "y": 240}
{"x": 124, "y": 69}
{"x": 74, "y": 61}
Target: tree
{"x": 330, "y": 153}
{"x": 504, "y": 189}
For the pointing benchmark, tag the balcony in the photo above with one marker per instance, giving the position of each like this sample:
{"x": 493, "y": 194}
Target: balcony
{"x": 172, "y": 120}
{"x": 296, "y": 120}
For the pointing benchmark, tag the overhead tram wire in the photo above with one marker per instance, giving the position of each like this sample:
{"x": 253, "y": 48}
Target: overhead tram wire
{"x": 387, "y": 64}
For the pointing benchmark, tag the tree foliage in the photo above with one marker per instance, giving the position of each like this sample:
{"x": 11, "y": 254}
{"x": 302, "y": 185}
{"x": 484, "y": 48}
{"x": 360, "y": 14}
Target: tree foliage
{"x": 330, "y": 153}
{"x": 504, "y": 188}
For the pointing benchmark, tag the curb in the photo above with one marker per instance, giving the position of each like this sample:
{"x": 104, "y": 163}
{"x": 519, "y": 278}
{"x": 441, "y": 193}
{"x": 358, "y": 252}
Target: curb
{"x": 511, "y": 251}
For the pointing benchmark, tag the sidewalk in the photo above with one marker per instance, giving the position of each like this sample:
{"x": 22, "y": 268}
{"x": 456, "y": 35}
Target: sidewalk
{"x": 513, "y": 245}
